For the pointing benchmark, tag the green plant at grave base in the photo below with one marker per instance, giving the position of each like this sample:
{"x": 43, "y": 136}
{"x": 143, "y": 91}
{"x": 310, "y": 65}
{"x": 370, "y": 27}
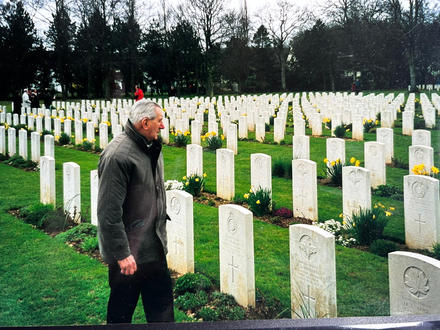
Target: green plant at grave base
{"x": 282, "y": 168}
{"x": 214, "y": 142}
{"x": 389, "y": 191}
{"x": 368, "y": 225}
{"x": 90, "y": 244}
{"x": 192, "y": 282}
{"x": 181, "y": 139}
{"x": 34, "y": 214}
{"x": 267, "y": 127}
{"x": 436, "y": 251}
{"x": 194, "y": 184}
{"x": 20, "y": 126}
{"x": 327, "y": 123}
{"x": 86, "y": 145}
{"x": 191, "y": 301}
{"x": 64, "y": 139}
{"x": 382, "y": 247}
{"x": 397, "y": 162}
{"x": 43, "y": 133}
{"x": 259, "y": 201}
{"x": 369, "y": 125}
{"x": 339, "y": 131}
{"x": 78, "y": 233}
{"x": 4, "y": 157}
{"x": 19, "y": 162}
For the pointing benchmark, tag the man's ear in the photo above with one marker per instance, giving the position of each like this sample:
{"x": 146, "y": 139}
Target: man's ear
{"x": 145, "y": 122}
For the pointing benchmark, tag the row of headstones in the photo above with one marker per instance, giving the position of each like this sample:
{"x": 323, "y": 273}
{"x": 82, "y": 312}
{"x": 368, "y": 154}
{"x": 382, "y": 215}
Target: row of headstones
{"x": 414, "y": 279}
{"x": 356, "y": 184}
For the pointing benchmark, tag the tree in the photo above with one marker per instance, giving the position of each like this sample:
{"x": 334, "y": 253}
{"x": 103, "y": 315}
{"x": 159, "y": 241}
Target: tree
{"x": 207, "y": 17}
{"x": 282, "y": 22}
{"x": 61, "y": 35}
{"x": 18, "y": 42}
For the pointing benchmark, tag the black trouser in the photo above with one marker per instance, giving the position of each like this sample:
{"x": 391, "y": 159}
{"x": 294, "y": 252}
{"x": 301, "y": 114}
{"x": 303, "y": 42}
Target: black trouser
{"x": 152, "y": 281}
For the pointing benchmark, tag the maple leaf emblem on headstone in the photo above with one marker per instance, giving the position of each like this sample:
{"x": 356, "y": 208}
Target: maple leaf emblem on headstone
{"x": 416, "y": 282}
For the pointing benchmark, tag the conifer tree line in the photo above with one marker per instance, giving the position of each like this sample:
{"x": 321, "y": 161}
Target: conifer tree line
{"x": 103, "y": 48}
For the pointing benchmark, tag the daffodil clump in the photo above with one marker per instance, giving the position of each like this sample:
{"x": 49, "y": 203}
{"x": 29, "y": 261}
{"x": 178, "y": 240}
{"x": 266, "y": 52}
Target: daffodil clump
{"x": 369, "y": 124}
{"x": 194, "y": 184}
{"x": 327, "y": 122}
{"x": 333, "y": 169}
{"x": 259, "y": 201}
{"x": 420, "y": 169}
{"x": 181, "y": 139}
{"x": 214, "y": 142}
{"x": 368, "y": 225}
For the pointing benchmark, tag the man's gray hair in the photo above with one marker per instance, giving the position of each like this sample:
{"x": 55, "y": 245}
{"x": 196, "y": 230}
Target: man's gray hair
{"x": 142, "y": 109}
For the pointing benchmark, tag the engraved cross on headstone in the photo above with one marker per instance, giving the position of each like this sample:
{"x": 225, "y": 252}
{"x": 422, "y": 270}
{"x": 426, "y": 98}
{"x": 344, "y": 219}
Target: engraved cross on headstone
{"x": 233, "y": 267}
{"x": 420, "y": 221}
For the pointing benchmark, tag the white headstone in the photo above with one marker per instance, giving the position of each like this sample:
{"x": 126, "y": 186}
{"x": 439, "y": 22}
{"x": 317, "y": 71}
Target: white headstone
{"x": 47, "y": 180}
{"x": 374, "y": 154}
{"x": 231, "y": 139}
{"x": 261, "y": 172}
{"x": 278, "y": 130}
{"x": 165, "y": 132}
{"x": 225, "y": 174}
{"x": 304, "y": 189}
{"x": 260, "y": 129}
{"x": 72, "y": 190}
{"x": 236, "y": 240}
{"x": 103, "y": 135}
{"x": 194, "y": 160}
{"x": 421, "y": 155}
{"x": 335, "y": 148}
{"x": 195, "y": 132}
{"x": 407, "y": 122}
{"x": 421, "y": 137}
{"x": 2, "y": 140}
{"x": 356, "y": 190}
{"x": 35, "y": 147}
{"x": 49, "y": 149}
{"x": 422, "y": 211}
{"x": 78, "y": 132}
{"x": 386, "y": 136}
{"x": 22, "y": 143}
{"x": 242, "y": 127}
{"x": 68, "y": 127}
{"x": 312, "y": 272}
{"x": 180, "y": 231}
{"x": 90, "y": 132}
{"x": 301, "y": 147}
{"x": 358, "y": 128}
{"x": 94, "y": 187}
{"x": 299, "y": 127}
{"x": 12, "y": 141}
{"x": 414, "y": 284}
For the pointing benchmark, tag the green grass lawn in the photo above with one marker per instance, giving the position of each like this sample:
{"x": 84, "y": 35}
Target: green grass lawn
{"x": 44, "y": 282}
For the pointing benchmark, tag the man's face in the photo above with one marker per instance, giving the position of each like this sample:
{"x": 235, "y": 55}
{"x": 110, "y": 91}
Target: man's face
{"x": 153, "y": 126}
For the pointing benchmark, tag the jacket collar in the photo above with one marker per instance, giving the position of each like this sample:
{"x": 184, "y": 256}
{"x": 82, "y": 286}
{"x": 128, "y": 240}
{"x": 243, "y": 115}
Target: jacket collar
{"x": 140, "y": 140}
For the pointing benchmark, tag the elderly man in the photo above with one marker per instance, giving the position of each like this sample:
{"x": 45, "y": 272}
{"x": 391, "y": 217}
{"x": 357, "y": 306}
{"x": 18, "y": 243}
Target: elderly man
{"x": 132, "y": 219}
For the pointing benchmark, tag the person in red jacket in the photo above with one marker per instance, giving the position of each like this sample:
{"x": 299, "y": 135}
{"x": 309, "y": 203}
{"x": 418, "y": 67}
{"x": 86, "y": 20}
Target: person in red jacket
{"x": 138, "y": 94}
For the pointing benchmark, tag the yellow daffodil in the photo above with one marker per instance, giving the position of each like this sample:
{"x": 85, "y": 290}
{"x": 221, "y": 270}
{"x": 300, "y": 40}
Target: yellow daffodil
{"x": 352, "y": 160}
{"x": 374, "y": 216}
{"x": 246, "y": 196}
{"x": 325, "y": 160}
{"x": 358, "y": 163}
{"x": 434, "y": 170}
{"x": 197, "y": 180}
{"x": 258, "y": 202}
{"x": 333, "y": 163}
{"x": 204, "y": 175}
{"x": 186, "y": 183}
{"x": 184, "y": 178}
{"x": 392, "y": 208}
{"x": 341, "y": 215}
{"x": 387, "y": 213}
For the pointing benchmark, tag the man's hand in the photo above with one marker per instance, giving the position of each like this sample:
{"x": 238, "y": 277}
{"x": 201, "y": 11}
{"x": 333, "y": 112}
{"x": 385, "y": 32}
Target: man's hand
{"x": 128, "y": 265}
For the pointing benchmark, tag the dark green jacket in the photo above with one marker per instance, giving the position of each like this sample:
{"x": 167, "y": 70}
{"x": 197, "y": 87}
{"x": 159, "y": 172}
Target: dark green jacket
{"x": 131, "y": 199}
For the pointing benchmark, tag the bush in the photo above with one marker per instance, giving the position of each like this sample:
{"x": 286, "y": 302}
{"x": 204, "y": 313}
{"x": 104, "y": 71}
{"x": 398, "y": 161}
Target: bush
{"x": 367, "y": 225}
{"x": 387, "y": 191}
{"x": 19, "y": 162}
{"x": 3, "y": 157}
{"x": 334, "y": 171}
{"x": 86, "y": 146}
{"x": 282, "y": 168}
{"x": 283, "y": 212}
{"x": 43, "y": 133}
{"x": 259, "y": 201}
{"x": 34, "y": 214}
{"x": 64, "y": 139}
{"x": 382, "y": 247}
{"x": 56, "y": 220}
{"x": 181, "y": 140}
{"x": 231, "y": 313}
{"x": 369, "y": 125}
{"x": 191, "y": 301}
{"x": 90, "y": 244}
{"x": 78, "y": 233}
{"x": 219, "y": 299}
{"x": 436, "y": 251}
{"x": 192, "y": 282}
{"x": 339, "y": 131}
{"x": 214, "y": 143}
{"x": 208, "y": 314}
{"x": 396, "y": 162}
{"x": 194, "y": 184}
